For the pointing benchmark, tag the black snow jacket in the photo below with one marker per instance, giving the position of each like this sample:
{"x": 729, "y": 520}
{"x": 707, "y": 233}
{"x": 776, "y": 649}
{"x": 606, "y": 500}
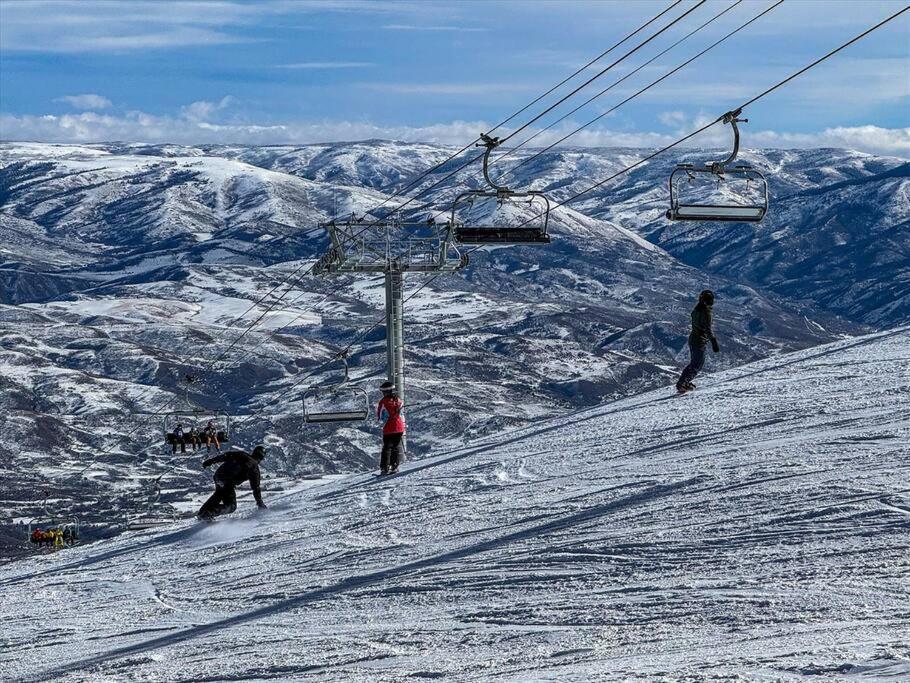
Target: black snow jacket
{"x": 238, "y": 467}
{"x": 702, "y": 329}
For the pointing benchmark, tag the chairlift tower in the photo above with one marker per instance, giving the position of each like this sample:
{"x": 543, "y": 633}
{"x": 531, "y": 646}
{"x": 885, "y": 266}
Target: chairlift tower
{"x": 391, "y": 247}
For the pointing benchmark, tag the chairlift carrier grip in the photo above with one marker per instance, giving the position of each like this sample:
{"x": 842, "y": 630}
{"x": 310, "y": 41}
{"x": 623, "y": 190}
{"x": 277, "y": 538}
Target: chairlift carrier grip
{"x": 491, "y": 143}
{"x": 718, "y": 167}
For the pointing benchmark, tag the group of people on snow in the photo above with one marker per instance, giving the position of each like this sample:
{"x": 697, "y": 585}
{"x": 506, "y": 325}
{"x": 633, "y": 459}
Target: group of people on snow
{"x": 237, "y": 467}
{"x": 180, "y": 437}
{"x": 55, "y": 537}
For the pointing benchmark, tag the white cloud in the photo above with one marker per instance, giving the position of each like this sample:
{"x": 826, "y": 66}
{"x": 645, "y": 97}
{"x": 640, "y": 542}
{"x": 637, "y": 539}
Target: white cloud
{"x": 672, "y": 119}
{"x": 192, "y": 126}
{"x": 66, "y": 26}
{"x": 326, "y": 65}
{"x": 88, "y": 101}
{"x": 203, "y": 109}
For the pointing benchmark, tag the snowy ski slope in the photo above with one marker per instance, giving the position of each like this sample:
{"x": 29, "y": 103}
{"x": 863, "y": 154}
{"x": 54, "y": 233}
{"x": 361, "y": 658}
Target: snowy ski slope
{"x": 758, "y": 528}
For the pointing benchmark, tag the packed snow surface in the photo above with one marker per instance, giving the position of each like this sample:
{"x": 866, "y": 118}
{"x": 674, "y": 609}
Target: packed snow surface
{"x": 757, "y": 528}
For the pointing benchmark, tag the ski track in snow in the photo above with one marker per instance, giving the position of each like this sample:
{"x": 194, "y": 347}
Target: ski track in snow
{"x": 756, "y": 529}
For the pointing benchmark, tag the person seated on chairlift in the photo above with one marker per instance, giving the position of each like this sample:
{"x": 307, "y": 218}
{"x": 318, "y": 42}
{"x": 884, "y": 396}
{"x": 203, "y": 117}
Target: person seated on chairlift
{"x": 389, "y": 409}
{"x": 37, "y": 536}
{"x": 211, "y": 436}
{"x": 195, "y": 440}
{"x": 178, "y": 439}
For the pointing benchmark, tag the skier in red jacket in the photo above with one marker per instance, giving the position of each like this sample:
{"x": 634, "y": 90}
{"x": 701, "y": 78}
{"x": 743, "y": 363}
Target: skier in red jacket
{"x": 389, "y": 408}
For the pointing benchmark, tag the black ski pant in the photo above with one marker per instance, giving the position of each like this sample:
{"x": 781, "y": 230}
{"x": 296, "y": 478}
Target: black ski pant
{"x": 391, "y": 452}
{"x": 696, "y": 363}
{"x": 222, "y": 502}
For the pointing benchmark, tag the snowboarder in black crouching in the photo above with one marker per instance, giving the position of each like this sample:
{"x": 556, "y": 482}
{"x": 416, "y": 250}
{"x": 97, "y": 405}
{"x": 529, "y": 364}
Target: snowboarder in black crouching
{"x": 237, "y": 467}
{"x": 702, "y": 333}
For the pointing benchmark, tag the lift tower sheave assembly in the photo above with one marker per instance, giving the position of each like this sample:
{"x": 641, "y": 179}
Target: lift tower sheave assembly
{"x": 393, "y": 248}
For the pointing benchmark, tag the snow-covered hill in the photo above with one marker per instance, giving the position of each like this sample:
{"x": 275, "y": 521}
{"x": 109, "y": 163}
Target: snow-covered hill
{"x": 836, "y": 235}
{"x": 123, "y": 266}
{"x": 754, "y": 530}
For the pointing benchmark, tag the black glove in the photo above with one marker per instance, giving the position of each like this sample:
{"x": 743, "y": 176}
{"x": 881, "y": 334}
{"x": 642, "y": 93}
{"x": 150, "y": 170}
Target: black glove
{"x": 715, "y": 347}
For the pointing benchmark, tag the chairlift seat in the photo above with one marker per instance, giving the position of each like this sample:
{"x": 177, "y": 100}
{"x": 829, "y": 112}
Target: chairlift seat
{"x": 532, "y": 231}
{"x": 339, "y": 416}
{"x": 751, "y": 210}
{"x": 498, "y": 235}
{"x": 736, "y": 213}
{"x": 527, "y": 233}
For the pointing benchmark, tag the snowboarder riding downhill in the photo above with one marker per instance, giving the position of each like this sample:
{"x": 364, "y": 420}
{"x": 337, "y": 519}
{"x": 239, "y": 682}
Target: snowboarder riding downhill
{"x": 389, "y": 409}
{"x": 702, "y": 333}
{"x": 237, "y": 467}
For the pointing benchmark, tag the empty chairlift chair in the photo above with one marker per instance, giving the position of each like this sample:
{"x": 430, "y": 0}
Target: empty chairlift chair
{"x": 149, "y": 519}
{"x": 532, "y": 231}
{"x": 744, "y": 188}
{"x": 341, "y": 402}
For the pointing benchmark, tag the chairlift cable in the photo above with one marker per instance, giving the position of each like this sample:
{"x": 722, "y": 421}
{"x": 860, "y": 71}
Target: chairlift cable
{"x": 603, "y": 71}
{"x": 512, "y": 150}
{"x": 644, "y": 89}
{"x": 824, "y": 57}
{"x": 721, "y": 118}
{"x": 522, "y": 110}
{"x": 546, "y": 111}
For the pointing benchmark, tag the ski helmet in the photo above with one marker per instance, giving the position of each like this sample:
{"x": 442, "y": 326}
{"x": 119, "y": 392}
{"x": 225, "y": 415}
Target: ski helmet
{"x": 387, "y": 387}
{"x": 707, "y": 296}
{"x": 258, "y": 453}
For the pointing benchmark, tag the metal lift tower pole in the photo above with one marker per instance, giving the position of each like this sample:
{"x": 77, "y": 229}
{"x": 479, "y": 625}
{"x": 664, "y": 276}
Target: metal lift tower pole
{"x": 393, "y": 248}
{"x": 394, "y": 325}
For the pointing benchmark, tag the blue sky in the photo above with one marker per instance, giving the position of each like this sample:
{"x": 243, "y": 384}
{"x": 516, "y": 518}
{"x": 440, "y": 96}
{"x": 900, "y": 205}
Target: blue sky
{"x": 307, "y": 71}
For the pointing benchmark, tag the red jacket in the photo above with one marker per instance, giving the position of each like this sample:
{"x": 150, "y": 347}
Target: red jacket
{"x": 394, "y": 424}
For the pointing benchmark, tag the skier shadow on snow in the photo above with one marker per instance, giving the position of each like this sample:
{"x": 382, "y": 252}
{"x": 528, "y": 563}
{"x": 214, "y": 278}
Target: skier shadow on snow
{"x": 384, "y": 576}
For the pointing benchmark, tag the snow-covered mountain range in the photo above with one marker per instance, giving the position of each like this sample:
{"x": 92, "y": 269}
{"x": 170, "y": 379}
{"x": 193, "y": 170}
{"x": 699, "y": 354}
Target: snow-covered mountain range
{"x": 754, "y": 530}
{"x": 125, "y": 266}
